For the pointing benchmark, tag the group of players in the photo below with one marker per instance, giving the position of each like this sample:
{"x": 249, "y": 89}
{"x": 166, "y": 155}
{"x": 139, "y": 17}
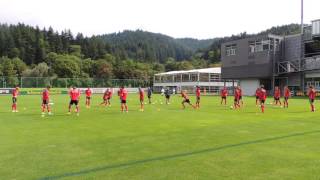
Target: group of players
{"x": 75, "y": 94}
{"x": 261, "y": 96}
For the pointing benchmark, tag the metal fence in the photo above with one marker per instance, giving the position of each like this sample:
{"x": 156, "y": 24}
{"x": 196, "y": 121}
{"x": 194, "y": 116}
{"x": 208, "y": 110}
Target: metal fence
{"x": 39, "y": 82}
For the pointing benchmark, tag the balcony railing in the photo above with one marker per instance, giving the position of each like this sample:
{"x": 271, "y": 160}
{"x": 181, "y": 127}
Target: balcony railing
{"x": 311, "y": 63}
{"x": 288, "y": 67}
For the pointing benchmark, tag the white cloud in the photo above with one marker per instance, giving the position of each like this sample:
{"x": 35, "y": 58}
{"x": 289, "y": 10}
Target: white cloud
{"x": 178, "y": 18}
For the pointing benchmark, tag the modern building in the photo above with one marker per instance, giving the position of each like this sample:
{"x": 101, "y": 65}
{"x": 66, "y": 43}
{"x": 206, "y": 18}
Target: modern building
{"x": 272, "y": 60}
{"x": 208, "y": 79}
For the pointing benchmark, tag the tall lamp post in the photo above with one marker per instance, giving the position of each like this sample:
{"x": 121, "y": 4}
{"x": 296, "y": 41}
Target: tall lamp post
{"x": 302, "y": 75}
{"x": 301, "y": 17}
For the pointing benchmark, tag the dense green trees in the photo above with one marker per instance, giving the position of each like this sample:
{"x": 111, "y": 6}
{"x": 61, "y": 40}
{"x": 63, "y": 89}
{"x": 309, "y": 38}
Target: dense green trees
{"x": 145, "y": 46}
{"x": 33, "y": 52}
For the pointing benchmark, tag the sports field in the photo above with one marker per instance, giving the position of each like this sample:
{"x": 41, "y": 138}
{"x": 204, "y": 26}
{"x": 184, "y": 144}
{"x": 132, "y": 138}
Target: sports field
{"x": 164, "y": 142}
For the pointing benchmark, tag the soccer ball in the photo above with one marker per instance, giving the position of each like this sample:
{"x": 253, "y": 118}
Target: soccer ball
{"x": 231, "y": 107}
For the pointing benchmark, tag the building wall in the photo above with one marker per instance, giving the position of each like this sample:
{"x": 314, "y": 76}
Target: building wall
{"x": 292, "y": 48}
{"x": 294, "y": 79}
{"x": 245, "y": 64}
{"x": 249, "y": 86}
{"x": 248, "y": 71}
{"x": 219, "y": 84}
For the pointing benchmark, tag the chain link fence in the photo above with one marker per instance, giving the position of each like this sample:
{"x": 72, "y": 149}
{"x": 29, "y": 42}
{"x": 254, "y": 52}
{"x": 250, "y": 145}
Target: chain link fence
{"x": 39, "y": 82}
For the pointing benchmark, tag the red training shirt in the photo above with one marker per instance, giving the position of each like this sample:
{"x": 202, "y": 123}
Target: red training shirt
{"x": 263, "y": 94}
{"x": 74, "y": 94}
{"x": 141, "y": 93}
{"x": 15, "y": 93}
{"x": 45, "y": 94}
{"x": 277, "y": 93}
{"x": 224, "y": 93}
{"x": 123, "y": 94}
{"x": 198, "y": 92}
{"x": 287, "y": 93}
{"x": 88, "y": 93}
{"x": 312, "y": 94}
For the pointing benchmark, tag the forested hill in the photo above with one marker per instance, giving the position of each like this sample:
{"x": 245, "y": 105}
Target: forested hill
{"x": 147, "y": 46}
{"x": 195, "y": 44}
{"x": 31, "y": 51}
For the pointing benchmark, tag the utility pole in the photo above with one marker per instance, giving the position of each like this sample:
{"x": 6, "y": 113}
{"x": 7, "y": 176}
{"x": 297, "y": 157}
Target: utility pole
{"x": 301, "y": 17}
{"x": 301, "y": 68}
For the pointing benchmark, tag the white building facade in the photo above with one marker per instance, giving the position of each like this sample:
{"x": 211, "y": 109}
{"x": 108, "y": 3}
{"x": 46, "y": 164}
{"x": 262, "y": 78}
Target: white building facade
{"x": 209, "y": 80}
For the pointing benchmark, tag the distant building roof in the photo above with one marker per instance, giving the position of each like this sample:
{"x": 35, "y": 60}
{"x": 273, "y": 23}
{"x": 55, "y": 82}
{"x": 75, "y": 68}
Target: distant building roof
{"x": 216, "y": 70}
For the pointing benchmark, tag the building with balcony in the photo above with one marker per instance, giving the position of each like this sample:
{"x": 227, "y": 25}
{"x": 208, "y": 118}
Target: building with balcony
{"x": 272, "y": 60}
{"x": 208, "y": 80}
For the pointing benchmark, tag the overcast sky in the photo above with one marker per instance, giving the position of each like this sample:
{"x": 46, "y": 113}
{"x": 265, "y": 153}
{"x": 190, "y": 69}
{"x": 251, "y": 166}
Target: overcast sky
{"x": 178, "y": 18}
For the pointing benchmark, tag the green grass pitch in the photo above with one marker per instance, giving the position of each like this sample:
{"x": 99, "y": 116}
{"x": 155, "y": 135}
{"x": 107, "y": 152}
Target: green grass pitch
{"x": 164, "y": 142}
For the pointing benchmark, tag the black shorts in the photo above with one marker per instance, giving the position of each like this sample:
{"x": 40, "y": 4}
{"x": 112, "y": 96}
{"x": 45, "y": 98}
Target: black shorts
{"x": 88, "y": 97}
{"x": 123, "y": 101}
{"x": 14, "y": 100}
{"x": 286, "y": 98}
{"x": 236, "y": 100}
{"x": 311, "y": 100}
{"x": 240, "y": 97}
{"x": 168, "y": 96}
{"x": 75, "y": 102}
{"x": 224, "y": 97}
{"x": 149, "y": 96}
{"x": 186, "y": 101}
{"x": 262, "y": 101}
{"x": 276, "y": 98}
{"x": 45, "y": 102}
{"x": 257, "y": 97}
{"x": 198, "y": 98}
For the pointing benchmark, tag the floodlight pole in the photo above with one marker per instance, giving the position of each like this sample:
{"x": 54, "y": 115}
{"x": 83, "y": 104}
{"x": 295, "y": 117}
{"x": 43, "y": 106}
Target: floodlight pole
{"x": 301, "y": 68}
{"x": 301, "y": 16}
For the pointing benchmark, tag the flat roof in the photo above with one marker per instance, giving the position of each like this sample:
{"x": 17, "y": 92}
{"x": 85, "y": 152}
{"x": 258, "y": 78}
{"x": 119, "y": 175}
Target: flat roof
{"x": 252, "y": 38}
{"x": 216, "y": 70}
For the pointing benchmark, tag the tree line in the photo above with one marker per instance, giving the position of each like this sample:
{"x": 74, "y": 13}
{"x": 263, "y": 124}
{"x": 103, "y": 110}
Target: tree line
{"x": 33, "y": 52}
{"x": 30, "y": 51}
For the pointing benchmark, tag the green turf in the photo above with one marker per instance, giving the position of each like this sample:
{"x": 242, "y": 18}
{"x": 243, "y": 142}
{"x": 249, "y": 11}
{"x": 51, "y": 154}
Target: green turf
{"x": 164, "y": 142}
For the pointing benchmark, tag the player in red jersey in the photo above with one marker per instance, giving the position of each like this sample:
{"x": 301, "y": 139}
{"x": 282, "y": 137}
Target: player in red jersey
{"x": 141, "y": 98}
{"x": 75, "y": 97}
{"x": 312, "y": 95}
{"x": 257, "y": 95}
{"x": 262, "y": 98}
{"x": 198, "y": 94}
{"x": 224, "y": 95}
{"x": 185, "y": 99}
{"x": 119, "y": 93}
{"x": 240, "y": 96}
{"x": 15, "y": 93}
{"x": 105, "y": 97}
{"x": 123, "y": 97}
{"x": 276, "y": 96}
{"x": 45, "y": 101}
{"x": 286, "y": 95}
{"x": 88, "y": 97}
{"x": 237, "y": 94}
{"x": 109, "y": 96}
